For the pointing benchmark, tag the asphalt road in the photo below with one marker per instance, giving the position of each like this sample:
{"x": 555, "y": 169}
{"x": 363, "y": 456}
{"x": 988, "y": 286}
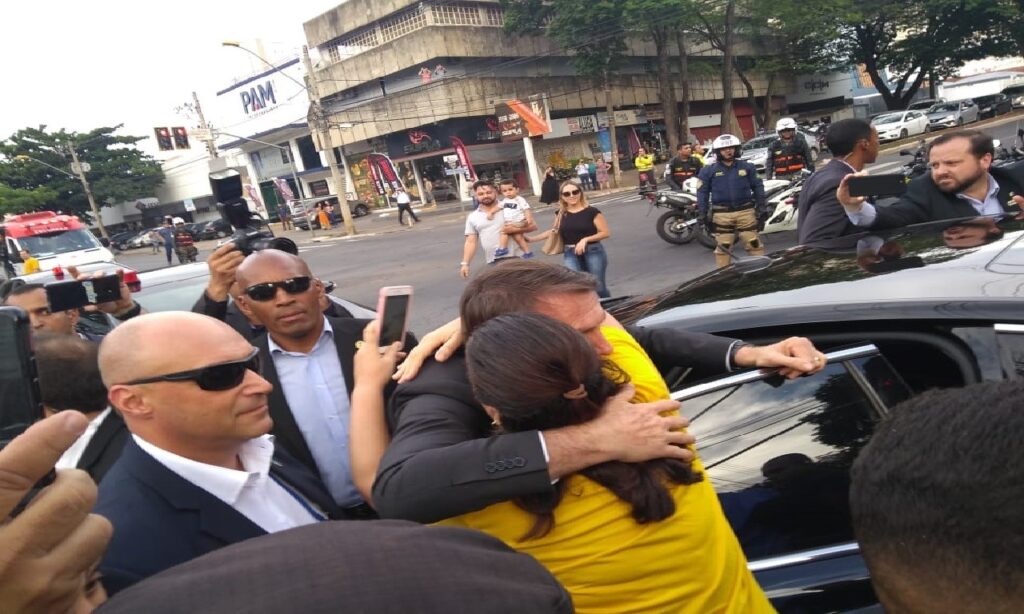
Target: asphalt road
{"x": 427, "y": 256}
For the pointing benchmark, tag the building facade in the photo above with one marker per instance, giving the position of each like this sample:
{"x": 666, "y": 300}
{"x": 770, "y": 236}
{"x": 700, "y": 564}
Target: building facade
{"x": 405, "y": 77}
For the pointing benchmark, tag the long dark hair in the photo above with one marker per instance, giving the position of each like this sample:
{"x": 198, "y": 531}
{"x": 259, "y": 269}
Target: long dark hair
{"x": 531, "y": 369}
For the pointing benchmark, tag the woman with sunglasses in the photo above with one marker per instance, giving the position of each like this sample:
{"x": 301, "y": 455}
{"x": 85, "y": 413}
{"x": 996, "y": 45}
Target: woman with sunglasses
{"x": 582, "y": 228}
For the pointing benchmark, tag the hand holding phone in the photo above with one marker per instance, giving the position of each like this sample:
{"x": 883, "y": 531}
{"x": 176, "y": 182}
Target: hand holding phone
{"x": 393, "y": 305}
{"x": 67, "y": 295}
{"x": 877, "y": 185}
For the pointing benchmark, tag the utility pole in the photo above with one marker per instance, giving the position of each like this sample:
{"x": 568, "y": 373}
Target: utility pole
{"x": 324, "y": 130}
{"x": 616, "y": 172}
{"x": 76, "y": 166}
{"x": 210, "y": 147}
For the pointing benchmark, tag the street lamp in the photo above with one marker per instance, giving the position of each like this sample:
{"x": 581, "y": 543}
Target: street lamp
{"x": 312, "y": 89}
{"x": 80, "y": 168}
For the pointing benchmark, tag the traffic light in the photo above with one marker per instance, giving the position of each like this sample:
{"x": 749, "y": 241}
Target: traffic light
{"x": 163, "y": 139}
{"x": 180, "y": 138}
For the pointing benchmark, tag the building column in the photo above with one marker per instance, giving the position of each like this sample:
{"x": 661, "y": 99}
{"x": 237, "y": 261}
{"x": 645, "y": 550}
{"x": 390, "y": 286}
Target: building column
{"x": 419, "y": 182}
{"x": 531, "y": 165}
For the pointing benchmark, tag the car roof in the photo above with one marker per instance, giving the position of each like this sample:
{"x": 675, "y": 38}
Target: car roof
{"x": 921, "y": 278}
{"x": 45, "y": 277}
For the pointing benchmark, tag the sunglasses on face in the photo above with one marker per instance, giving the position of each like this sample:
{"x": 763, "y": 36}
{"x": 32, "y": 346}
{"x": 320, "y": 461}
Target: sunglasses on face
{"x": 267, "y": 291}
{"x": 212, "y": 378}
{"x": 571, "y": 193}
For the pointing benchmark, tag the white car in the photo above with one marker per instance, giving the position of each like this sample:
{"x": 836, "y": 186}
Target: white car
{"x": 900, "y": 125}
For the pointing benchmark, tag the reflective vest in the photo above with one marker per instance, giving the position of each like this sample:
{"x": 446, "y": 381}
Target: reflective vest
{"x": 788, "y": 157}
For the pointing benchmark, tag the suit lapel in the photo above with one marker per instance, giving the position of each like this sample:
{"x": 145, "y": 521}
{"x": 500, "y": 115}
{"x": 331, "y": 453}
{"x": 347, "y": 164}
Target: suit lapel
{"x": 216, "y": 518}
{"x": 290, "y": 471}
{"x": 347, "y": 332}
{"x": 286, "y": 430}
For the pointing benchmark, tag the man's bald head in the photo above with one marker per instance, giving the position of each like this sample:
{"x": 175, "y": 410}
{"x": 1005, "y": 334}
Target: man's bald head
{"x": 206, "y": 424}
{"x": 140, "y": 347}
{"x": 270, "y": 265}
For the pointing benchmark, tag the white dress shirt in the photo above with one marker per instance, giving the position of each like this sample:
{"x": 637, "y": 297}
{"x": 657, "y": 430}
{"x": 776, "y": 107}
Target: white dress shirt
{"x": 71, "y": 456}
{"x": 314, "y": 386}
{"x": 990, "y": 206}
{"x": 251, "y": 492}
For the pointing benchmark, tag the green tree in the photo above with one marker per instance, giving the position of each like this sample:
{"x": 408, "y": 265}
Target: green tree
{"x": 593, "y": 33}
{"x": 19, "y": 200}
{"x": 918, "y": 38}
{"x": 119, "y": 171}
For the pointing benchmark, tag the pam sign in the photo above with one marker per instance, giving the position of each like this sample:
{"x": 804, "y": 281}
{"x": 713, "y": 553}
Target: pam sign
{"x": 258, "y": 97}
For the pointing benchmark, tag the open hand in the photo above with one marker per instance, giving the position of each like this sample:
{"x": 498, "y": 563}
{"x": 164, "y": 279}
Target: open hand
{"x": 441, "y": 343}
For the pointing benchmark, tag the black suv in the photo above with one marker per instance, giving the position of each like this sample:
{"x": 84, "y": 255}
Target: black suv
{"x": 993, "y": 105}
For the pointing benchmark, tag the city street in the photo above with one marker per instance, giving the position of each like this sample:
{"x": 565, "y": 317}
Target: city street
{"x": 427, "y": 255}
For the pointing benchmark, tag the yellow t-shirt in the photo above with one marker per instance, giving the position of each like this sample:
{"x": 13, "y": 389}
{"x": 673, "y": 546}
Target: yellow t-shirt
{"x": 644, "y": 163}
{"x": 31, "y": 265}
{"x": 690, "y": 562}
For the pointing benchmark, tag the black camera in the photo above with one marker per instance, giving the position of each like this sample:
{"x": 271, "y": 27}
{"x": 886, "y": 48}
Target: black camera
{"x": 250, "y": 232}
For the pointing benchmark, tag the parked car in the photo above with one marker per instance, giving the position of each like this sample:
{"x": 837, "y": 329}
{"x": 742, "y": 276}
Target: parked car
{"x": 994, "y": 104}
{"x": 755, "y": 150}
{"x": 119, "y": 241}
{"x": 950, "y": 114}
{"x": 213, "y": 229}
{"x": 924, "y": 104}
{"x": 443, "y": 192}
{"x": 141, "y": 239}
{"x": 899, "y": 312}
{"x": 306, "y": 211}
{"x": 900, "y": 124}
{"x": 1016, "y": 95}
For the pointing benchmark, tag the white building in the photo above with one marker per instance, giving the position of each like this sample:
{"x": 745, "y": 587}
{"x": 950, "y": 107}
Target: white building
{"x": 981, "y": 84}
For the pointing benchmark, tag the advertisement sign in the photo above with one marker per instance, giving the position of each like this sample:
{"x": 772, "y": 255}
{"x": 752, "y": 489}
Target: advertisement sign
{"x": 437, "y": 137}
{"x": 511, "y": 125}
{"x": 384, "y": 170}
{"x": 584, "y": 124}
{"x": 262, "y": 102}
{"x": 624, "y": 117}
{"x": 284, "y": 191}
{"x": 521, "y": 118}
{"x": 463, "y": 156}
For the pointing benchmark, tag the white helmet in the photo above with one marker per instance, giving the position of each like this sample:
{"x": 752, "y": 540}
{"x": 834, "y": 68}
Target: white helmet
{"x": 786, "y": 123}
{"x": 177, "y": 221}
{"x": 725, "y": 140}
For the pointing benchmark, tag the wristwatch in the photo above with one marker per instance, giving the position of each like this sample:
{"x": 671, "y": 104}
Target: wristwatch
{"x": 463, "y": 264}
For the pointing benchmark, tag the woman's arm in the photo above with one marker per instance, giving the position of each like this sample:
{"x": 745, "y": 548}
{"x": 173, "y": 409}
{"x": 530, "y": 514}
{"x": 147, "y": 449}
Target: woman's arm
{"x": 368, "y": 429}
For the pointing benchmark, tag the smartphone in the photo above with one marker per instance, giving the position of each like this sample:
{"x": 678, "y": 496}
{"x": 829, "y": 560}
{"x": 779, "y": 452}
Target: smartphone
{"x": 66, "y": 295}
{"x": 20, "y": 404}
{"x": 393, "y": 313}
{"x": 877, "y": 185}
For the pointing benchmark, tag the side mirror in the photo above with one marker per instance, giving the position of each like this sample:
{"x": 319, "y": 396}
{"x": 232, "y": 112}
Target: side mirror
{"x": 906, "y": 152}
{"x": 105, "y": 242}
{"x": 996, "y": 143}
{"x": 329, "y": 287}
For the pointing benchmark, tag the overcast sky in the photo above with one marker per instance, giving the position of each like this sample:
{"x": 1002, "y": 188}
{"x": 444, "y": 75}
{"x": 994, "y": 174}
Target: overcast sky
{"x": 80, "y": 65}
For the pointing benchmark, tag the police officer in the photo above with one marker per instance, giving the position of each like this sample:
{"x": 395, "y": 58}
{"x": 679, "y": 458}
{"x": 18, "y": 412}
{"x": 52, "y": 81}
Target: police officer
{"x": 683, "y": 166}
{"x": 789, "y": 153}
{"x": 644, "y": 163}
{"x": 737, "y": 202}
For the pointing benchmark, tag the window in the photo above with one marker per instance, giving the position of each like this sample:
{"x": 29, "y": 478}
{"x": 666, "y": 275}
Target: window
{"x": 494, "y": 16}
{"x": 352, "y": 44}
{"x": 456, "y": 15}
{"x": 779, "y": 452}
{"x": 401, "y": 24}
{"x": 285, "y": 153}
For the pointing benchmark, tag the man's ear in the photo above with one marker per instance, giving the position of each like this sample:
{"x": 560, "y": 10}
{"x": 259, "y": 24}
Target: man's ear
{"x": 243, "y": 305}
{"x": 494, "y": 414}
{"x": 129, "y": 401}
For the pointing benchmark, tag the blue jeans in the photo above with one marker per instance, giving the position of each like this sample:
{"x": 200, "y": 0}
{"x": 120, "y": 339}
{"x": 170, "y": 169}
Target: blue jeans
{"x": 593, "y": 261}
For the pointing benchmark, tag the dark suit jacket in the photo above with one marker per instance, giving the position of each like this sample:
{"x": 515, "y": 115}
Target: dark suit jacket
{"x": 820, "y": 216}
{"x": 228, "y": 312}
{"x": 105, "y": 446}
{"x": 160, "y": 519}
{"x": 382, "y": 567}
{"x": 347, "y": 331}
{"x": 442, "y": 463}
{"x": 924, "y": 202}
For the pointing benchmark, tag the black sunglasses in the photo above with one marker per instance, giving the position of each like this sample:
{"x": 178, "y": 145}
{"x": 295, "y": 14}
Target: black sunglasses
{"x": 571, "y": 193}
{"x": 212, "y": 378}
{"x": 267, "y": 291}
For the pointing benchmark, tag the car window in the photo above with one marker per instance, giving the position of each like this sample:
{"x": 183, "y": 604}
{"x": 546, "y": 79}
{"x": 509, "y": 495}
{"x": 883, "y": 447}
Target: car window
{"x": 888, "y": 118}
{"x": 779, "y": 452}
{"x": 1011, "y": 349}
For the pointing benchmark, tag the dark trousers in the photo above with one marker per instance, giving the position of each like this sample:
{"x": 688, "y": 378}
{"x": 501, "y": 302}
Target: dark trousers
{"x": 169, "y": 248}
{"x": 404, "y": 208}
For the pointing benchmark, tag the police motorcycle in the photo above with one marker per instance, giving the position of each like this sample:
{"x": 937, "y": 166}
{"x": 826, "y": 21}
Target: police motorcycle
{"x": 682, "y": 223}
{"x": 919, "y": 164}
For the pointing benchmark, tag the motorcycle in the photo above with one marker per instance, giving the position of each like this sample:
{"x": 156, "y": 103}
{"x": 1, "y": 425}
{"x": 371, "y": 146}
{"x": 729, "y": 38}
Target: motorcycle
{"x": 918, "y": 165}
{"x": 682, "y": 222}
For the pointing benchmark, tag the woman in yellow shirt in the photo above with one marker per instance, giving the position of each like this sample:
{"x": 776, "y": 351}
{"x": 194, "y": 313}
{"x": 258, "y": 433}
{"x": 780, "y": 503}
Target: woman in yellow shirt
{"x": 30, "y": 263}
{"x": 621, "y": 537}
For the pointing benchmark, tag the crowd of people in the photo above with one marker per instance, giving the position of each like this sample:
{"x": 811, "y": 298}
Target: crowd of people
{"x": 534, "y": 435}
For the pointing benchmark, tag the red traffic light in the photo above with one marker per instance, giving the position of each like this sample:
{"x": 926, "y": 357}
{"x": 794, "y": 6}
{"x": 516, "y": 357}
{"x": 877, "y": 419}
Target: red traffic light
{"x": 163, "y": 139}
{"x": 180, "y": 138}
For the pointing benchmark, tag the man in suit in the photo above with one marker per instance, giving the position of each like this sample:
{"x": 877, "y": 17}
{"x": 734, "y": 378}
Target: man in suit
{"x": 854, "y": 144}
{"x": 962, "y": 183}
{"x": 442, "y": 460}
{"x": 199, "y": 471}
{"x": 69, "y": 378}
{"x": 308, "y": 359}
{"x": 223, "y": 263}
{"x": 383, "y": 566}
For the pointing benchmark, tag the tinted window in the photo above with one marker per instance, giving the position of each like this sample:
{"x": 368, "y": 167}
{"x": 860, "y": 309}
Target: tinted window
{"x": 779, "y": 452}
